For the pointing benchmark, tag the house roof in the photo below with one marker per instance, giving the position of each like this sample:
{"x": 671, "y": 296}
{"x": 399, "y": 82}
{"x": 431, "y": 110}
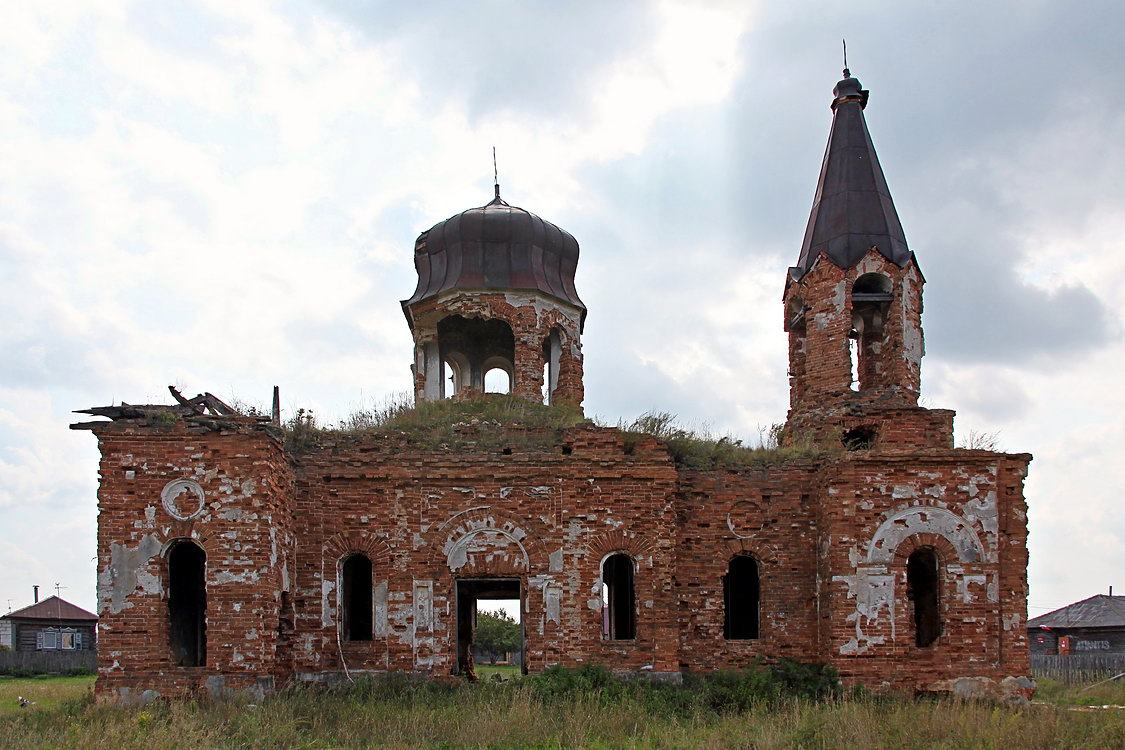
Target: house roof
{"x": 53, "y": 608}
{"x": 1098, "y": 611}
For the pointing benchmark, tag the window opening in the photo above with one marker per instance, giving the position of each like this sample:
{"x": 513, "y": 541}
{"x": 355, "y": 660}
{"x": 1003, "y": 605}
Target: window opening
{"x": 741, "y": 599}
{"x": 489, "y": 627}
{"x": 355, "y": 600}
{"x": 448, "y": 381}
{"x": 618, "y": 598}
{"x": 859, "y": 438}
{"x": 922, "y": 586}
{"x": 871, "y": 298}
{"x": 552, "y": 358}
{"x": 853, "y": 359}
{"x": 496, "y": 380}
{"x": 187, "y": 605}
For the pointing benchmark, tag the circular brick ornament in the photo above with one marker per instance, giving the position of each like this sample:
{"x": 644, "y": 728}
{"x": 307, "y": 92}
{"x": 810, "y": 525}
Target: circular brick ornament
{"x": 745, "y": 518}
{"x": 182, "y": 499}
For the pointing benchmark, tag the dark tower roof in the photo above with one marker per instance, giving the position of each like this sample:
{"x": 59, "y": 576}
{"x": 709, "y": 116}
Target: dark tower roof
{"x": 852, "y": 210}
{"x": 496, "y": 246}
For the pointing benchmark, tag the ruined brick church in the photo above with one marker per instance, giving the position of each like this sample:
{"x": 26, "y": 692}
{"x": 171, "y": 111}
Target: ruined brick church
{"x": 229, "y": 563}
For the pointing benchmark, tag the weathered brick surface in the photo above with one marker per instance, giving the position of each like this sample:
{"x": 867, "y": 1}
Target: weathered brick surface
{"x": 821, "y": 371}
{"x": 830, "y": 537}
{"x": 831, "y": 534}
{"x": 532, "y": 317}
{"x": 243, "y": 526}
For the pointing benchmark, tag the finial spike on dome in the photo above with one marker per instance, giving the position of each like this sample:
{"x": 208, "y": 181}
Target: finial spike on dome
{"x": 495, "y": 173}
{"x": 847, "y": 73}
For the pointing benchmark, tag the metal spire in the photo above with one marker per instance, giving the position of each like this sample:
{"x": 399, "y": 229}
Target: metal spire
{"x": 495, "y": 173}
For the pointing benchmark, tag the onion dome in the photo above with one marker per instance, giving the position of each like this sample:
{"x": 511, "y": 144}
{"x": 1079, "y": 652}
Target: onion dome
{"x": 496, "y": 246}
{"x": 852, "y": 211}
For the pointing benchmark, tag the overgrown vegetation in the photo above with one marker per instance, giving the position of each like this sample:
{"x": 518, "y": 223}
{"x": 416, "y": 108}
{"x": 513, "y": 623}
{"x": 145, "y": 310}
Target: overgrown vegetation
{"x": 494, "y": 421}
{"x": 489, "y": 421}
{"x": 582, "y": 708}
{"x": 981, "y": 441}
{"x": 1101, "y": 693}
{"x": 699, "y": 449}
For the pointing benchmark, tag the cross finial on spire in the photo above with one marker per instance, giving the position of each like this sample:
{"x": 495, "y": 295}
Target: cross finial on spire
{"x": 495, "y": 173}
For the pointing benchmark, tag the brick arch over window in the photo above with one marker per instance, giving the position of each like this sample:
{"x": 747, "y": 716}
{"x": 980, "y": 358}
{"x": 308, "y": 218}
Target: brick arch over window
{"x": 339, "y": 546}
{"x": 908, "y": 546}
{"x": 200, "y": 540}
{"x": 766, "y": 554}
{"x": 932, "y": 522}
{"x": 600, "y": 545}
{"x": 486, "y": 541}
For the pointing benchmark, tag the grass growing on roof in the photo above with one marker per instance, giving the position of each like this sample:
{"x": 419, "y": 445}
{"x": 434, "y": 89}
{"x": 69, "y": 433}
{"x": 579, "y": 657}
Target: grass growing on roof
{"x": 699, "y": 449}
{"x": 487, "y": 421}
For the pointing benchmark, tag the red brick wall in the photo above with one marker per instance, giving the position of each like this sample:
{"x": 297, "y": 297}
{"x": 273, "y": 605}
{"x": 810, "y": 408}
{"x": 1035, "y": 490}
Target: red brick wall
{"x": 532, "y": 317}
{"x": 820, "y": 363}
{"x": 546, "y": 510}
{"x": 411, "y": 508}
{"x": 244, "y": 527}
{"x": 877, "y": 508}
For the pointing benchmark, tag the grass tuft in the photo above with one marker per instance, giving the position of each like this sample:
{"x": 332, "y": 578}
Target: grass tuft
{"x": 699, "y": 449}
{"x": 579, "y": 708}
{"x": 484, "y": 422}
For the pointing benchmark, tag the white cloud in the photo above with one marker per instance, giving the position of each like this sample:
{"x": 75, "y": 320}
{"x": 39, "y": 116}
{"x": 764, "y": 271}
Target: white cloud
{"x": 225, "y": 196}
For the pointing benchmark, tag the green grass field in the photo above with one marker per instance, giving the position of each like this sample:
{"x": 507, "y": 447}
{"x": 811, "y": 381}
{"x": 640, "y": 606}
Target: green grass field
{"x": 514, "y": 715}
{"x": 506, "y": 671}
{"x": 47, "y": 692}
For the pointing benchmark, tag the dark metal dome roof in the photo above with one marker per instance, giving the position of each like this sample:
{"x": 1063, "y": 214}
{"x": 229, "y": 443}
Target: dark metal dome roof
{"x": 496, "y": 246}
{"x": 852, "y": 211}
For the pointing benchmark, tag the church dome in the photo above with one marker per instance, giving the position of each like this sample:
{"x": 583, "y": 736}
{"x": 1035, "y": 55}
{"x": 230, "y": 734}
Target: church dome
{"x": 496, "y": 246}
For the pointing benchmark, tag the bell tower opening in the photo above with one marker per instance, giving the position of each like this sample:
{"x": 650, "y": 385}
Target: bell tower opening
{"x": 496, "y": 300}
{"x": 477, "y": 355}
{"x": 871, "y": 299}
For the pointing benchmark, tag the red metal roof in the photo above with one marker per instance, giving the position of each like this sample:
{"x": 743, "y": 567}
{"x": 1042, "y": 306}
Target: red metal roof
{"x": 53, "y": 608}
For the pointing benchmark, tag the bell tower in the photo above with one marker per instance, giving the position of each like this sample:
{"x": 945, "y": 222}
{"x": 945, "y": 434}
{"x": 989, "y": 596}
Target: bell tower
{"x": 496, "y": 295}
{"x": 853, "y": 302}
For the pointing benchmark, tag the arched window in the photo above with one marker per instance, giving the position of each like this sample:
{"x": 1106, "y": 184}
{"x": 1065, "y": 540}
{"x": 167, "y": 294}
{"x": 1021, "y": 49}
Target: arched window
{"x": 355, "y": 598}
{"x": 187, "y": 604}
{"x": 871, "y": 297}
{"x": 497, "y": 380}
{"x": 455, "y": 374}
{"x": 552, "y": 357}
{"x": 922, "y": 587}
{"x": 741, "y": 599}
{"x": 618, "y": 598}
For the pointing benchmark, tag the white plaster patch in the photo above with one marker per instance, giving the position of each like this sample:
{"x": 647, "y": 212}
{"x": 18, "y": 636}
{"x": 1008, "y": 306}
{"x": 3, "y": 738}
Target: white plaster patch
{"x": 925, "y": 519}
{"x": 126, "y": 573}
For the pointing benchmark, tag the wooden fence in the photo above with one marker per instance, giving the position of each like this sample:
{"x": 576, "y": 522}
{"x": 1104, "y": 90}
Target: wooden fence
{"x": 1072, "y": 668}
{"x": 47, "y": 662}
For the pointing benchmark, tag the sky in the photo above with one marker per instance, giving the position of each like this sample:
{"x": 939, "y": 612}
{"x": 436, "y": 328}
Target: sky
{"x": 225, "y": 196}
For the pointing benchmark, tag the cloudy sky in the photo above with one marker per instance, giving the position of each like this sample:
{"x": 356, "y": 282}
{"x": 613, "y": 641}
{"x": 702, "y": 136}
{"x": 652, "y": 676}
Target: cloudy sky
{"x": 224, "y": 196}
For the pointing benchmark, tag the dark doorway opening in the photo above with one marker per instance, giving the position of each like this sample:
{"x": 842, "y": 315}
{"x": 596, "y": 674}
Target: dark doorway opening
{"x": 741, "y": 599}
{"x": 187, "y": 605}
{"x": 355, "y": 600}
{"x": 470, "y": 592}
{"x": 619, "y": 618}
{"x": 922, "y": 586}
